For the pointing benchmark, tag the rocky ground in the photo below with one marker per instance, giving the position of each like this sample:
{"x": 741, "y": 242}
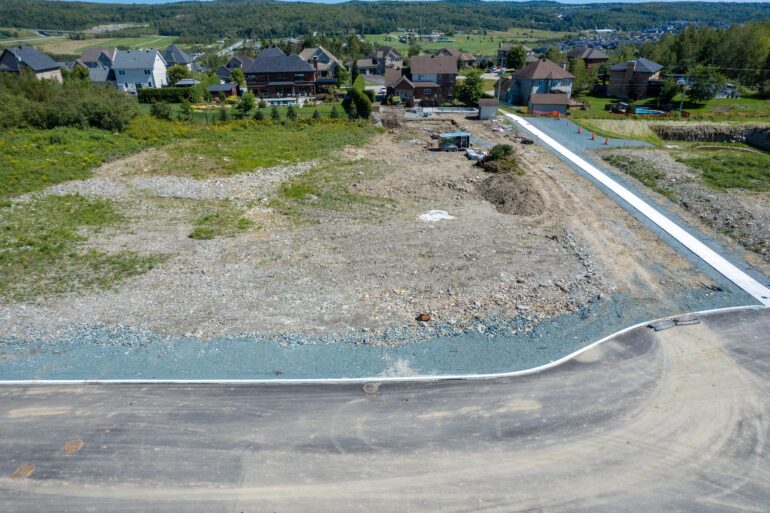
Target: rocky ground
{"x": 516, "y": 250}
{"x": 741, "y": 217}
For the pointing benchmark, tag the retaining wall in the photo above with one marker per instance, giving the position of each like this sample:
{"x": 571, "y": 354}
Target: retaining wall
{"x": 757, "y": 136}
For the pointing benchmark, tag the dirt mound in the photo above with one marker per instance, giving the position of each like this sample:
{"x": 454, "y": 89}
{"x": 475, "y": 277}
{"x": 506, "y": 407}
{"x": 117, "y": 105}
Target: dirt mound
{"x": 512, "y": 194}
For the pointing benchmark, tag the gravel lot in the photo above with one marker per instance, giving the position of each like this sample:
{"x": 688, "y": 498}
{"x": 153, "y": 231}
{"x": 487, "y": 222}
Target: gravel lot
{"x": 359, "y": 273}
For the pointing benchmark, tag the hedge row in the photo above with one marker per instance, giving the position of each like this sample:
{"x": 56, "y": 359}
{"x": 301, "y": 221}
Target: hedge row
{"x": 167, "y": 95}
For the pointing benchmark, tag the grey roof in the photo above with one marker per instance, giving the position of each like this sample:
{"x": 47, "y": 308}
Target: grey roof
{"x": 641, "y": 65}
{"x": 187, "y": 82}
{"x": 279, "y": 63}
{"x": 222, "y": 88}
{"x": 91, "y": 55}
{"x": 174, "y": 55}
{"x": 33, "y": 59}
{"x": 584, "y": 52}
{"x": 100, "y": 74}
{"x": 135, "y": 59}
{"x": 272, "y": 51}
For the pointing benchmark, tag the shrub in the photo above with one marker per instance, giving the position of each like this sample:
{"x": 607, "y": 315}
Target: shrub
{"x": 167, "y": 94}
{"x": 369, "y": 94}
{"x": 224, "y": 115}
{"x": 259, "y": 115}
{"x": 274, "y": 114}
{"x": 357, "y": 105}
{"x": 291, "y": 113}
{"x": 160, "y": 110}
{"x": 334, "y": 113}
{"x": 262, "y": 104}
{"x": 316, "y": 114}
{"x": 500, "y": 151}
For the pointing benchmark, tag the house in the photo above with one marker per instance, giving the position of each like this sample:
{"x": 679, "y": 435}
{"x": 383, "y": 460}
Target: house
{"x": 632, "y": 79}
{"x": 187, "y": 82}
{"x": 548, "y": 103}
{"x": 383, "y": 57}
{"x": 322, "y": 60}
{"x": 502, "y": 53}
{"x": 224, "y": 90}
{"x": 97, "y": 57}
{"x": 238, "y": 61}
{"x": 135, "y": 69}
{"x": 541, "y": 77}
{"x": 592, "y": 57}
{"x": 465, "y": 59}
{"x": 487, "y": 108}
{"x": 101, "y": 75}
{"x": 20, "y": 59}
{"x": 174, "y": 56}
{"x": 275, "y": 74}
{"x": 436, "y": 69}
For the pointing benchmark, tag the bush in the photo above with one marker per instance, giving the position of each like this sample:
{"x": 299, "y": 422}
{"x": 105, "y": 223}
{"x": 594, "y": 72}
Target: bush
{"x": 161, "y": 110}
{"x": 316, "y": 114}
{"x": 259, "y": 115}
{"x": 500, "y": 151}
{"x": 262, "y": 104}
{"x": 291, "y": 113}
{"x": 224, "y": 115}
{"x": 167, "y": 94}
{"x": 369, "y": 94}
{"x": 357, "y": 105}
{"x": 334, "y": 113}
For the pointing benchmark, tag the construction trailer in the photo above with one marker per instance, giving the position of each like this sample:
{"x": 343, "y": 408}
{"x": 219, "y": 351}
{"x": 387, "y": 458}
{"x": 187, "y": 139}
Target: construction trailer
{"x": 458, "y": 140}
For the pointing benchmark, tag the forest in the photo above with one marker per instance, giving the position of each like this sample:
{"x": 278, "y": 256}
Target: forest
{"x": 201, "y": 22}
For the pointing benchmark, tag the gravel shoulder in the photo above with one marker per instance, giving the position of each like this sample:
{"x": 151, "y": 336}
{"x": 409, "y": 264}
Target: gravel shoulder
{"x": 361, "y": 270}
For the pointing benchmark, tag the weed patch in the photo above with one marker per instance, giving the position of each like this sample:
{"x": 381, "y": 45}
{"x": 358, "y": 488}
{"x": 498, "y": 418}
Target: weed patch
{"x": 41, "y": 248}
{"x": 725, "y": 169}
{"x": 220, "y": 219}
{"x": 647, "y": 175}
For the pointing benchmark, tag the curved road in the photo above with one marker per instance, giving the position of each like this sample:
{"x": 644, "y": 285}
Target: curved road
{"x": 675, "y": 420}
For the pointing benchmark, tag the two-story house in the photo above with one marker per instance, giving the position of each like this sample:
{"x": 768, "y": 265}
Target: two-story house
{"x": 97, "y": 57}
{"x": 542, "y": 77}
{"x": 465, "y": 59}
{"x": 322, "y": 60}
{"x": 440, "y": 70}
{"x": 383, "y": 57}
{"x": 20, "y": 59}
{"x": 632, "y": 79}
{"x": 135, "y": 69}
{"x": 591, "y": 57}
{"x": 274, "y": 74}
{"x": 175, "y": 56}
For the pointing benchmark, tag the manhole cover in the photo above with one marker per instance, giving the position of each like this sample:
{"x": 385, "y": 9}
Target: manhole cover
{"x": 23, "y": 471}
{"x": 371, "y": 388}
{"x": 73, "y": 446}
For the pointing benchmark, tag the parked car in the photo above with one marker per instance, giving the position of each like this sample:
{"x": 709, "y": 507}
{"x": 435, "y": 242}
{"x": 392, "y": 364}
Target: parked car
{"x": 475, "y": 154}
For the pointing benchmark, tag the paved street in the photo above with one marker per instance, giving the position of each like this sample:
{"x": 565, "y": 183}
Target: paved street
{"x": 675, "y": 420}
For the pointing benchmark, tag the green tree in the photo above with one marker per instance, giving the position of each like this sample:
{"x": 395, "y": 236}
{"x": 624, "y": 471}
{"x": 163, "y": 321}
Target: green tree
{"x": 291, "y": 113}
{"x": 354, "y": 72}
{"x": 341, "y": 74}
{"x": 316, "y": 114}
{"x": 186, "y": 110}
{"x": 259, "y": 115}
{"x": 516, "y": 57}
{"x": 177, "y": 72}
{"x": 246, "y": 103}
{"x": 224, "y": 115}
{"x": 160, "y": 110}
{"x": 357, "y": 104}
{"x": 470, "y": 90}
{"x": 334, "y": 113}
{"x": 554, "y": 54}
{"x": 78, "y": 73}
{"x": 704, "y": 84}
{"x": 237, "y": 76}
{"x": 414, "y": 49}
{"x": 262, "y": 104}
{"x": 668, "y": 91}
{"x": 582, "y": 81}
{"x": 275, "y": 115}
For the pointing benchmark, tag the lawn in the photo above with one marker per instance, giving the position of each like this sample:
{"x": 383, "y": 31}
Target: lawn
{"x": 476, "y": 44}
{"x": 42, "y": 247}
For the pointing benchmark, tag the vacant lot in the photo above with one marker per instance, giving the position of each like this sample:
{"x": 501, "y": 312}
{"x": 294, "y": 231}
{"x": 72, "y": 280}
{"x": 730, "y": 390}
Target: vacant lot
{"x": 329, "y": 239}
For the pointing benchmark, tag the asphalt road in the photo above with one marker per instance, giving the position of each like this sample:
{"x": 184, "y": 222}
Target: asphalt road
{"x": 675, "y": 420}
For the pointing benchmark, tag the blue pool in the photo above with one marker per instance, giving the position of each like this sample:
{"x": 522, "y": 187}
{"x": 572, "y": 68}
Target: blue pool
{"x": 648, "y": 112}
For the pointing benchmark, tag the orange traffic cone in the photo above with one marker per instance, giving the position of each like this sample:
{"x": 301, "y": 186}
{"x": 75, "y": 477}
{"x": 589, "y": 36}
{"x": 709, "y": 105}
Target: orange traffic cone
{"x": 593, "y": 136}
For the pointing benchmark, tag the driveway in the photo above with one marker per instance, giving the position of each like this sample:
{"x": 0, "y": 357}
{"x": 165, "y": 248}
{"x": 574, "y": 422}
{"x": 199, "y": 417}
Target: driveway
{"x": 674, "y": 420}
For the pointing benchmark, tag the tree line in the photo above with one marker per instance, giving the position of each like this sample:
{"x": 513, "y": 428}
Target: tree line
{"x": 201, "y": 22}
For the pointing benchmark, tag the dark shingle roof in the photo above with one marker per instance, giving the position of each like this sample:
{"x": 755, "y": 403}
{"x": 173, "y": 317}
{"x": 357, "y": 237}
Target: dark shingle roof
{"x": 584, "y": 52}
{"x": 278, "y": 64}
{"x": 222, "y": 88}
{"x": 33, "y": 59}
{"x": 543, "y": 69}
{"x": 272, "y": 51}
{"x": 135, "y": 59}
{"x": 99, "y": 74}
{"x": 91, "y": 55}
{"x": 641, "y": 65}
{"x": 174, "y": 55}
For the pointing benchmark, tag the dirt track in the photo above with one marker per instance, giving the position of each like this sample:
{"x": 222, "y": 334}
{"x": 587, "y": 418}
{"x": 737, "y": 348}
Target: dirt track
{"x": 353, "y": 271}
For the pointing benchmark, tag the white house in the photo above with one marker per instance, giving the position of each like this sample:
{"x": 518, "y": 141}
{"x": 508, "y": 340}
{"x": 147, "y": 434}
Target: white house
{"x": 135, "y": 69}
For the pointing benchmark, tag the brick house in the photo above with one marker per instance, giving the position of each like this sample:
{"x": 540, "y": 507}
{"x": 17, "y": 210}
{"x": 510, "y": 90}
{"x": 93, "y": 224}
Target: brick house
{"x": 632, "y": 79}
{"x": 436, "y": 69}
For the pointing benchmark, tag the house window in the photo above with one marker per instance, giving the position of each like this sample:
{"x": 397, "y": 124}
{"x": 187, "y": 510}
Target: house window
{"x": 299, "y": 75}
{"x": 147, "y": 72}
{"x": 122, "y": 72}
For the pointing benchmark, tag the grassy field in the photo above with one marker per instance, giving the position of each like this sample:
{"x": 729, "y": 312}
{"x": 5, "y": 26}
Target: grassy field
{"x": 729, "y": 167}
{"x": 66, "y": 46}
{"x": 42, "y": 253}
{"x": 212, "y": 115}
{"x": 476, "y": 44}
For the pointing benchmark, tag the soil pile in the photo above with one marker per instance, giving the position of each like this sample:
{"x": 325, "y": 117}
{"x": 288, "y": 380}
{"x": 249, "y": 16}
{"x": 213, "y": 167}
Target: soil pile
{"x": 512, "y": 194}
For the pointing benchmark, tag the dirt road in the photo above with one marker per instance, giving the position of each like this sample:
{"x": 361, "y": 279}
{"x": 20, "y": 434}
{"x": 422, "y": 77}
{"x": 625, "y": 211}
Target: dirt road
{"x": 669, "y": 421}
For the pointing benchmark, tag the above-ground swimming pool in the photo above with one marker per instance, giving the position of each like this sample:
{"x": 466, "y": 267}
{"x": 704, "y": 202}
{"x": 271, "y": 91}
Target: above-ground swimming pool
{"x": 648, "y": 112}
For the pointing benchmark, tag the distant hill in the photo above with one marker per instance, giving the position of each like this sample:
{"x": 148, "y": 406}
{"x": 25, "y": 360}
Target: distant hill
{"x": 206, "y": 21}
